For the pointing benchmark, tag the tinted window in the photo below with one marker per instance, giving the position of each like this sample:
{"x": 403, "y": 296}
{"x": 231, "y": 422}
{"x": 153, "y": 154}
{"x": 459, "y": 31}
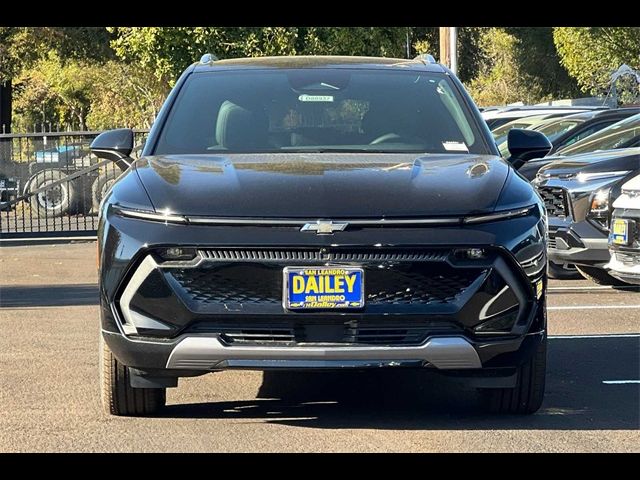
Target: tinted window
{"x": 555, "y": 129}
{"x": 585, "y": 133}
{"x": 318, "y": 110}
{"x": 619, "y": 135}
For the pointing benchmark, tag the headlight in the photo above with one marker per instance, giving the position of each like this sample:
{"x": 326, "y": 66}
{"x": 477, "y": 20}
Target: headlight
{"x": 599, "y": 207}
{"x": 502, "y": 215}
{"x": 163, "y": 216}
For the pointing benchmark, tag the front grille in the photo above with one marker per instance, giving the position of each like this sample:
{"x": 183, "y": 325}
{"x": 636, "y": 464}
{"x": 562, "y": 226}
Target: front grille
{"x": 551, "y": 242}
{"x": 393, "y": 284}
{"x": 239, "y": 283}
{"x": 323, "y": 255}
{"x": 398, "y": 287}
{"x": 309, "y": 331}
{"x": 555, "y": 201}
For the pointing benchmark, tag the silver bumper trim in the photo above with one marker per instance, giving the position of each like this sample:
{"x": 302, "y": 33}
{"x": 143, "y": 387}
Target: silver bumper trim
{"x": 207, "y": 353}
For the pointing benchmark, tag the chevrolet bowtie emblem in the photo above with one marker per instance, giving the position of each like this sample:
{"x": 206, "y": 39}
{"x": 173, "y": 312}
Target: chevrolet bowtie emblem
{"x": 324, "y": 227}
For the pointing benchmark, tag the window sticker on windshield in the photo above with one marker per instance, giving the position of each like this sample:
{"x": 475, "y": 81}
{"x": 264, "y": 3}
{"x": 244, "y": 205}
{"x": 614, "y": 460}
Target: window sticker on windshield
{"x": 315, "y": 98}
{"x": 455, "y": 147}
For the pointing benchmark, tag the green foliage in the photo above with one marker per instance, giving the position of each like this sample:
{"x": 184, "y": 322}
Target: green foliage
{"x": 124, "y": 96}
{"x": 592, "y": 54}
{"x": 537, "y": 57}
{"x": 501, "y": 78}
{"x": 20, "y": 47}
{"x": 80, "y": 94}
{"x": 53, "y": 92}
{"x": 167, "y": 51}
{"x": 108, "y": 77}
{"x": 518, "y": 64}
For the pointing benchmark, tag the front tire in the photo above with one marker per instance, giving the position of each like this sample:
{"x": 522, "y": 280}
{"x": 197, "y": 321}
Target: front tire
{"x": 101, "y": 186}
{"x": 117, "y": 394}
{"x": 599, "y": 276}
{"x": 60, "y": 200}
{"x": 526, "y": 397}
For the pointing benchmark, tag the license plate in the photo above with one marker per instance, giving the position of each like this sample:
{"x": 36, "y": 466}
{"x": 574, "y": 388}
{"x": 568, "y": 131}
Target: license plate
{"x": 620, "y": 232}
{"x": 313, "y": 288}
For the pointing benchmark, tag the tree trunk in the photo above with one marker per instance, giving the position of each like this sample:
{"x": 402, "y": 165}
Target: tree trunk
{"x": 5, "y": 106}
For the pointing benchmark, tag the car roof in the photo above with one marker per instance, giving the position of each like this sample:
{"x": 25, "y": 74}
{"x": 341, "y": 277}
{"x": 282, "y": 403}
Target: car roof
{"x": 529, "y": 120}
{"x": 521, "y": 113}
{"x": 316, "y": 61}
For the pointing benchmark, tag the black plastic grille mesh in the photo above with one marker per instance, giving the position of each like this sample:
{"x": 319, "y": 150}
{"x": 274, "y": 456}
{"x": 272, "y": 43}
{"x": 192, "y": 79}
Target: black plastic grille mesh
{"x": 555, "y": 201}
{"x": 393, "y": 284}
{"x": 290, "y": 332}
{"x": 435, "y": 255}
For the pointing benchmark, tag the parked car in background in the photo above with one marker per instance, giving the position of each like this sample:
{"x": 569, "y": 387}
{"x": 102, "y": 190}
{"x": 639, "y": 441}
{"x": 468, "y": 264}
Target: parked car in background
{"x": 9, "y": 191}
{"x": 496, "y": 117}
{"x": 79, "y": 195}
{"x": 624, "y": 239}
{"x": 578, "y": 193}
{"x": 550, "y": 125}
{"x": 622, "y": 134}
{"x": 587, "y": 123}
{"x": 501, "y": 133}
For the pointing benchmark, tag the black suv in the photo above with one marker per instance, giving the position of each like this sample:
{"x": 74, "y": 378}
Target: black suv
{"x": 321, "y": 212}
{"x": 579, "y": 192}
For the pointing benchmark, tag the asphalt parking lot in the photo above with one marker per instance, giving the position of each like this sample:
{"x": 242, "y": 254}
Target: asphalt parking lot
{"x": 49, "y": 397}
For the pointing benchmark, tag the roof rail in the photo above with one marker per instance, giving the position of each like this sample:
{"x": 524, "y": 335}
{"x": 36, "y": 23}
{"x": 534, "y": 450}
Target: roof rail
{"x": 208, "y": 58}
{"x": 425, "y": 58}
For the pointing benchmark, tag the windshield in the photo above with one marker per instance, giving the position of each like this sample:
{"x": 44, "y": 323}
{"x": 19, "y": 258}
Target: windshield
{"x": 318, "y": 110}
{"x": 618, "y": 135}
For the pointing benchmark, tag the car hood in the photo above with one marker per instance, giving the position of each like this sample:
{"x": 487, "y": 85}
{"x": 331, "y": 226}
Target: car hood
{"x": 323, "y": 185}
{"x": 624, "y": 159}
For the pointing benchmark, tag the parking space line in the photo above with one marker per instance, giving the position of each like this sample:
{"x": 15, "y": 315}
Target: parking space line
{"x": 601, "y": 335}
{"x": 594, "y": 287}
{"x": 594, "y": 307}
{"x": 620, "y": 382}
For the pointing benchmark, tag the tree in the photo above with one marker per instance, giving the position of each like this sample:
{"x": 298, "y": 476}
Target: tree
{"x": 501, "y": 78}
{"x": 537, "y": 57}
{"x": 592, "y": 54}
{"x": 167, "y": 51}
{"x": 124, "y": 95}
{"x": 21, "y": 47}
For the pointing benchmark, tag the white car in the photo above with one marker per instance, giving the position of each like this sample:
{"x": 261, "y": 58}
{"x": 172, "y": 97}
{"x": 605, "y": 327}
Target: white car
{"x": 624, "y": 239}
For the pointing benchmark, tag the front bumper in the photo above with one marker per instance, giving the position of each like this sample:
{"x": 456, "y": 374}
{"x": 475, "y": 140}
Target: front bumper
{"x": 190, "y": 354}
{"x": 579, "y": 243}
{"x": 224, "y": 309}
{"x": 625, "y": 259}
{"x": 626, "y": 273}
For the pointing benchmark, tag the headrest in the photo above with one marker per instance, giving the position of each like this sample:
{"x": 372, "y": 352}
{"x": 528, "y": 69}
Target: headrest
{"x": 238, "y": 128}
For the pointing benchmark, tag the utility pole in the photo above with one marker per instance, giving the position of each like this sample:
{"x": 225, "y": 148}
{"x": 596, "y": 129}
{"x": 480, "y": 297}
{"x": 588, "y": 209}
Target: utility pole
{"x": 408, "y": 44}
{"x": 449, "y": 48}
{"x": 453, "y": 53}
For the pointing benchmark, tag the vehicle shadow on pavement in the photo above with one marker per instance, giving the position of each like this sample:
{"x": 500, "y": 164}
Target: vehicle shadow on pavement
{"x": 48, "y": 295}
{"x": 576, "y": 397}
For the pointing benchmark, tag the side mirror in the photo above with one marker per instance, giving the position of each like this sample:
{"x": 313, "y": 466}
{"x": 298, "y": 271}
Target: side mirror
{"x": 524, "y": 145}
{"x": 114, "y": 145}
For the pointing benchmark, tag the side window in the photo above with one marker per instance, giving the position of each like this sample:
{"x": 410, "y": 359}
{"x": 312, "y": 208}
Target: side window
{"x": 585, "y": 133}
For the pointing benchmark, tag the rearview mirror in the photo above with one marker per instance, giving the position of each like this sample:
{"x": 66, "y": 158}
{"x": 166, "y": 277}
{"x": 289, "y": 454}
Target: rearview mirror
{"x": 114, "y": 145}
{"x": 524, "y": 145}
